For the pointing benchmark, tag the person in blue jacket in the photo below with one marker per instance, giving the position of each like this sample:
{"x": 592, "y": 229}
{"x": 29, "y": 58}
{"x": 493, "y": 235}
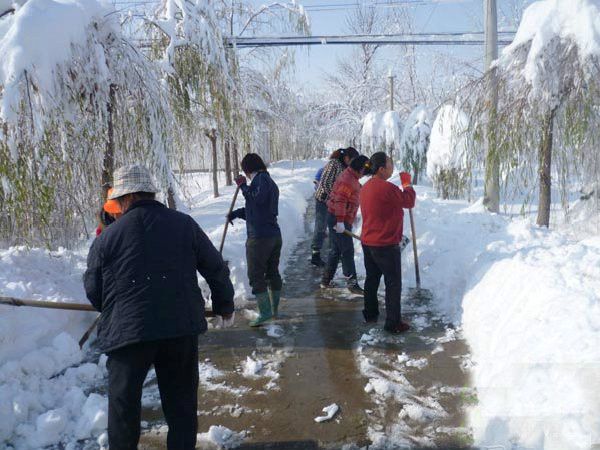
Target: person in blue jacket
{"x": 263, "y": 246}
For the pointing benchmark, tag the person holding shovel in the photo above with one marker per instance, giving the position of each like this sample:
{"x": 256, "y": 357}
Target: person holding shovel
{"x": 142, "y": 277}
{"x": 263, "y": 245}
{"x": 338, "y": 161}
{"x": 342, "y": 207}
{"x": 381, "y": 204}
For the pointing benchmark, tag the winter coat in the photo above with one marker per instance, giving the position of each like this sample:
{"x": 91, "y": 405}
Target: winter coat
{"x": 333, "y": 169}
{"x": 318, "y": 177}
{"x": 262, "y": 207}
{"x": 344, "y": 198}
{"x": 381, "y": 205}
{"x": 141, "y": 275}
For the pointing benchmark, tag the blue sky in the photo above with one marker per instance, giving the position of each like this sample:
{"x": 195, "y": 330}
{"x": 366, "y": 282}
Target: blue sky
{"x": 429, "y": 16}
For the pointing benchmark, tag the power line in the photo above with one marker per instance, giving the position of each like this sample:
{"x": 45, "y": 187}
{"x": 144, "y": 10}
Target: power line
{"x": 382, "y": 39}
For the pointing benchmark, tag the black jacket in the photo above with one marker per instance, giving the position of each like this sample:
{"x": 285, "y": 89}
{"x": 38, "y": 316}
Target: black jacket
{"x": 262, "y": 207}
{"x": 141, "y": 275}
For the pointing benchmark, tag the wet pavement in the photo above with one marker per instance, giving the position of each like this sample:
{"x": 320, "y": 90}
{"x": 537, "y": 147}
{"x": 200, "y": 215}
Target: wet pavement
{"x": 268, "y": 384}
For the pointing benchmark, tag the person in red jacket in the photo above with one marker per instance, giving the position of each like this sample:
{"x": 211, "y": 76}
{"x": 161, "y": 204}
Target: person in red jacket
{"x": 342, "y": 206}
{"x": 381, "y": 204}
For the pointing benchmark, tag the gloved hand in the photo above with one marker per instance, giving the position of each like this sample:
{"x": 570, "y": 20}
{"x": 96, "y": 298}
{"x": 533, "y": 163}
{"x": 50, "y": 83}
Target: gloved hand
{"x": 240, "y": 179}
{"x": 405, "y": 179}
{"x": 225, "y": 321}
{"x": 230, "y": 218}
{"x": 339, "y": 227}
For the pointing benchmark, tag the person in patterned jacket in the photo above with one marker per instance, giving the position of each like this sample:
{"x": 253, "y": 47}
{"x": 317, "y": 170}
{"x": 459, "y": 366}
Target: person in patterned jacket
{"x": 342, "y": 207}
{"x": 338, "y": 161}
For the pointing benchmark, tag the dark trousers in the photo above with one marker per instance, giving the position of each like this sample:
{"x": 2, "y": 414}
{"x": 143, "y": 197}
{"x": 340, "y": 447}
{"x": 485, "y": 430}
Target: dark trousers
{"x": 383, "y": 261}
{"x": 176, "y": 364}
{"x": 262, "y": 256}
{"x": 320, "y": 225}
{"x": 340, "y": 247}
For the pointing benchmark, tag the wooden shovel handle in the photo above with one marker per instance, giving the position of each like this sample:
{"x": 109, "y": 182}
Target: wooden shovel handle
{"x": 414, "y": 242}
{"x": 237, "y": 190}
{"x": 351, "y": 234}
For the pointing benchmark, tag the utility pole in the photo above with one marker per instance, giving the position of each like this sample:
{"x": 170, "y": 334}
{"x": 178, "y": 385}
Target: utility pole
{"x": 491, "y": 199}
{"x": 391, "y": 77}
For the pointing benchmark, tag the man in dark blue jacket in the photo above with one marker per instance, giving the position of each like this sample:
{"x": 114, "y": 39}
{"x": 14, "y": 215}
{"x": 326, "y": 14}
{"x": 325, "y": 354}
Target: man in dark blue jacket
{"x": 263, "y": 246}
{"x": 141, "y": 276}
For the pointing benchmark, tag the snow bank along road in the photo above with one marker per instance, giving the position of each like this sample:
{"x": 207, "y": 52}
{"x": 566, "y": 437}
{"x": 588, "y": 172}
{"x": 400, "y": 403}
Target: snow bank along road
{"x": 526, "y": 300}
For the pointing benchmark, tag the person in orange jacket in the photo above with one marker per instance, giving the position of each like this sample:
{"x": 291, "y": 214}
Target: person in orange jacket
{"x": 342, "y": 206}
{"x": 110, "y": 212}
{"x": 381, "y": 204}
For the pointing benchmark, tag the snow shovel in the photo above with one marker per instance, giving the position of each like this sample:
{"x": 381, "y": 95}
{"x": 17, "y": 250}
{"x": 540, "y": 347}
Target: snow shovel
{"x": 227, "y": 222}
{"x": 351, "y": 234}
{"x": 417, "y": 292}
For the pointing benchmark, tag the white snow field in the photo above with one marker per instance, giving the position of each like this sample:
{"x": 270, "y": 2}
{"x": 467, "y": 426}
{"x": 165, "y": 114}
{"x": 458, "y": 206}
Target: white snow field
{"x": 528, "y": 303}
{"x": 526, "y": 299}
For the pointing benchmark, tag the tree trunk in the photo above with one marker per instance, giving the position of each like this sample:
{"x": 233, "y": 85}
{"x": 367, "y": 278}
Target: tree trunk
{"x": 108, "y": 164}
{"x": 235, "y": 158}
{"x": 215, "y": 176}
{"x": 545, "y": 166}
{"x": 491, "y": 196}
{"x": 227, "y": 146}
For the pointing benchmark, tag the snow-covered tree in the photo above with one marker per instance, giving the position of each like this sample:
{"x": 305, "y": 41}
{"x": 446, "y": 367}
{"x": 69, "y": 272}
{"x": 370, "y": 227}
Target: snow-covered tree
{"x": 415, "y": 142}
{"x": 447, "y": 164}
{"x": 190, "y": 50}
{"x": 77, "y": 99}
{"x": 381, "y": 132}
{"x": 548, "y": 91}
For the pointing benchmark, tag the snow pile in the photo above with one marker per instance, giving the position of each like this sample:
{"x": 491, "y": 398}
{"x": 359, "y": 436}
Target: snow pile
{"x": 208, "y": 372}
{"x": 41, "y": 405}
{"x": 274, "y": 331}
{"x": 330, "y": 411}
{"x": 265, "y": 366}
{"x": 545, "y": 21}
{"x": 381, "y": 131}
{"x": 39, "y": 274}
{"x": 252, "y": 367}
{"x": 532, "y": 319}
{"x": 448, "y": 141}
{"x": 222, "y": 436}
{"x": 42, "y": 400}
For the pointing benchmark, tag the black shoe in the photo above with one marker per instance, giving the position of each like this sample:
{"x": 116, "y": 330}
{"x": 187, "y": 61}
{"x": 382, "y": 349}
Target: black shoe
{"x": 402, "y": 327}
{"x": 354, "y": 287}
{"x": 316, "y": 259}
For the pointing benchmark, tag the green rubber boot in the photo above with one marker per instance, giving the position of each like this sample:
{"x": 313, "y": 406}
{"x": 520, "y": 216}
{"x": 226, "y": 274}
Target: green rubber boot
{"x": 264, "y": 309}
{"x": 275, "y": 297}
